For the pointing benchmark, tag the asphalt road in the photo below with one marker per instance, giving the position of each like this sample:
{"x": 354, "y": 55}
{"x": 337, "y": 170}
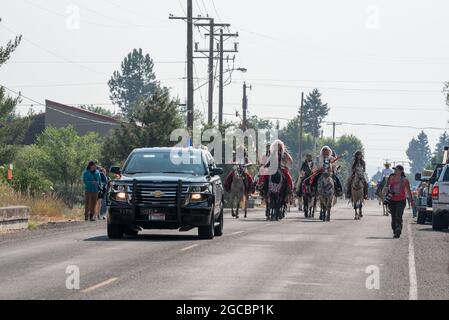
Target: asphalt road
{"x": 255, "y": 259}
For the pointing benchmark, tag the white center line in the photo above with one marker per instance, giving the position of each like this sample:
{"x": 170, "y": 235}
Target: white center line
{"x": 236, "y": 233}
{"x": 190, "y": 247}
{"x": 413, "y": 295}
{"x": 99, "y": 285}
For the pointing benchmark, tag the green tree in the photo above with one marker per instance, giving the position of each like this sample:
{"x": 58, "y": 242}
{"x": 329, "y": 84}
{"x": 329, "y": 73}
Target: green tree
{"x": 256, "y": 123}
{"x": 419, "y": 153}
{"x": 154, "y": 120}
{"x": 314, "y": 113}
{"x": 12, "y": 128}
{"x": 64, "y": 155}
{"x": 443, "y": 142}
{"x": 135, "y": 81}
{"x": 347, "y": 146}
{"x": 29, "y": 173}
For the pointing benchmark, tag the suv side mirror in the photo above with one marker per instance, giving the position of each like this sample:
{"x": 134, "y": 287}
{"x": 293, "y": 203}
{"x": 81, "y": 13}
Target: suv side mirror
{"x": 418, "y": 177}
{"x": 216, "y": 172}
{"x": 116, "y": 170}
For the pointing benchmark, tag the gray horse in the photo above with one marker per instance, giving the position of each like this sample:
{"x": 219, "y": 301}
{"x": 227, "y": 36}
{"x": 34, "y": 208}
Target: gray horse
{"x": 357, "y": 195}
{"x": 326, "y": 192}
{"x": 239, "y": 191}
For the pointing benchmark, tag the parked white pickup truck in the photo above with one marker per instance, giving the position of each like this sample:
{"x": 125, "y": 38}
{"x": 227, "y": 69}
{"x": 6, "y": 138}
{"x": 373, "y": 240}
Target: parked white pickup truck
{"x": 440, "y": 201}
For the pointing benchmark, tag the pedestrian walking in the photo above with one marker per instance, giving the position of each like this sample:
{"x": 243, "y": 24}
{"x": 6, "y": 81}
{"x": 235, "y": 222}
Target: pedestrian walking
{"x": 92, "y": 182}
{"x": 398, "y": 190}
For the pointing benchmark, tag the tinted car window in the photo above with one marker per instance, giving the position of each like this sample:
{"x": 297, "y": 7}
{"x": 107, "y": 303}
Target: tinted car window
{"x": 165, "y": 162}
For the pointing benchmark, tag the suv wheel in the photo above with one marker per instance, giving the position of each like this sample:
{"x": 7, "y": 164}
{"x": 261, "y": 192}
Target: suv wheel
{"x": 437, "y": 222}
{"x": 422, "y": 217}
{"x": 207, "y": 232}
{"x": 115, "y": 231}
{"x": 219, "y": 229}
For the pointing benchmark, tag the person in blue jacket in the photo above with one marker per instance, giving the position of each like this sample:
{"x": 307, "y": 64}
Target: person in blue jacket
{"x": 92, "y": 184}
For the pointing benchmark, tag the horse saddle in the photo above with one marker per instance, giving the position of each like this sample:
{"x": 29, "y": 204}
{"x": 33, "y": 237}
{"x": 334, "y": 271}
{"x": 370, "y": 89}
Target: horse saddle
{"x": 275, "y": 183}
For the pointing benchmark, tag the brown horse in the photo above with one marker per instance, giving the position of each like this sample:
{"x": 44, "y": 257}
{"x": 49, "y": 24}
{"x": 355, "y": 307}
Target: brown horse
{"x": 239, "y": 191}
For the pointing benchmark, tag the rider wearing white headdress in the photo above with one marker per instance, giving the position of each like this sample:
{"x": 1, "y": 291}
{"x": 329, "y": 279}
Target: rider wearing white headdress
{"x": 280, "y": 155}
{"x": 328, "y": 156}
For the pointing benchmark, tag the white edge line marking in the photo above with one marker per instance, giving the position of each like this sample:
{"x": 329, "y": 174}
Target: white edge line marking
{"x": 236, "y": 233}
{"x": 191, "y": 247}
{"x": 99, "y": 285}
{"x": 413, "y": 295}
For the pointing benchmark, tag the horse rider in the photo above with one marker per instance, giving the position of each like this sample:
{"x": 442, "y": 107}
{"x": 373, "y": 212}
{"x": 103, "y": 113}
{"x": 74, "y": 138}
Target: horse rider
{"x": 306, "y": 171}
{"x": 386, "y": 173}
{"x": 327, "y": 156}
{"x": 285, "y": 160}
{"x": 358, "y": 167}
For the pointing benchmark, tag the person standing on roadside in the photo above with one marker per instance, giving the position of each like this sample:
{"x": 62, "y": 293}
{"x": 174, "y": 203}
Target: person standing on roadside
{"x": 398, "y": 190}
{"x": 92, "y": 183}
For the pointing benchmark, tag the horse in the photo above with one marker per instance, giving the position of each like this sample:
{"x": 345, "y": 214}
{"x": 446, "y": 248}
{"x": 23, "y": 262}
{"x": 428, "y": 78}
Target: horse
{"x": 381, "y": 194}
{"x": 309, "y": 200}
{"x": 275, "y": 192}
{"x": 326, "y": 194}
{"x": 357, "y": 195}
{"x": 239, "y": 191}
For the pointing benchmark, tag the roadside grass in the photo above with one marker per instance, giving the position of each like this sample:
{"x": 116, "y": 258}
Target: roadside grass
{"x": 44, "y": 209}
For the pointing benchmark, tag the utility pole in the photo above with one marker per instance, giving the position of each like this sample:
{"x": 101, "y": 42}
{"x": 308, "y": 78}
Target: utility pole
{"x": 190, "y": 89}
{"x": 190, "y": 86}
{"x": 245, "y": 107}
{"x": 222, "y": 37}
{"x": 301, "y": 125}
{"x": 220, "y": 82}
{"x": 210, "y": 114}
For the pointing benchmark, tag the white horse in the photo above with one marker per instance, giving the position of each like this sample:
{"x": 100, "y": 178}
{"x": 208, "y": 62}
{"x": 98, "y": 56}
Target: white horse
{"x": 326, "y": 195}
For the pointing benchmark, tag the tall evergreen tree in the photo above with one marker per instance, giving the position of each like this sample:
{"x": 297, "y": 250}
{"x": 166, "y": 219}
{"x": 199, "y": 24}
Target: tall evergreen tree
{"x": 135, "y": 81}
{"x": 154, "y": 120}
{"x": 443, "y": 142}
{"x": 314, "y": 113}
{"x": 419, "y": 153}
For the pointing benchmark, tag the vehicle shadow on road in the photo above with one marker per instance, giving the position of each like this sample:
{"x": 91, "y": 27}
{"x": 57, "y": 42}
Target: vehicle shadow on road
{"x": 146, "y": 237}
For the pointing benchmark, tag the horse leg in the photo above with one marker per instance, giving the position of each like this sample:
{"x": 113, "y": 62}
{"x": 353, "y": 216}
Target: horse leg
{"x": 328, "y": 218}
{"x": 246, "y": 206}
{"x": 232, "y": 206}
{"x": 238, "y": 207}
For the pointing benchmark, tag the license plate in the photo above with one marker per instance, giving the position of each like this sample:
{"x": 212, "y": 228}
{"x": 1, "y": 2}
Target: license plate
{"x": 156, "y": 216}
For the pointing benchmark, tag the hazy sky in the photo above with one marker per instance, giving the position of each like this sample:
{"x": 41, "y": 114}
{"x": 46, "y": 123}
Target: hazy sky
{"x": 374, "y": 61}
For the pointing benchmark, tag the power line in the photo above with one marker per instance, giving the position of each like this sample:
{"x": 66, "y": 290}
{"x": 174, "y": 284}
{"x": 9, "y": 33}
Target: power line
{"x": 90, "y": 62}
{"x": 216, "y": 11}
{"x": 51, "y": 52}
{"x": 393, "y": 91}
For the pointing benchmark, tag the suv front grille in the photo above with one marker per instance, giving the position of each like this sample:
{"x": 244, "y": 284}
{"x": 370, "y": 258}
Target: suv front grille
{"x": 164, "y": 194}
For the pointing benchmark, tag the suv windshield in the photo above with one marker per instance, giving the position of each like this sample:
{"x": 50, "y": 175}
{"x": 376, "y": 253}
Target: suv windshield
{"x": 165, "y": 162}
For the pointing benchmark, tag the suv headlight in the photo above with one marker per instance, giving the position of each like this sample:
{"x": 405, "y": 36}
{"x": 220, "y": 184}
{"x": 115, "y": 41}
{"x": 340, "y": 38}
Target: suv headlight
{"x": 119, "y": 192}
{"x": 199, "y": 193}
